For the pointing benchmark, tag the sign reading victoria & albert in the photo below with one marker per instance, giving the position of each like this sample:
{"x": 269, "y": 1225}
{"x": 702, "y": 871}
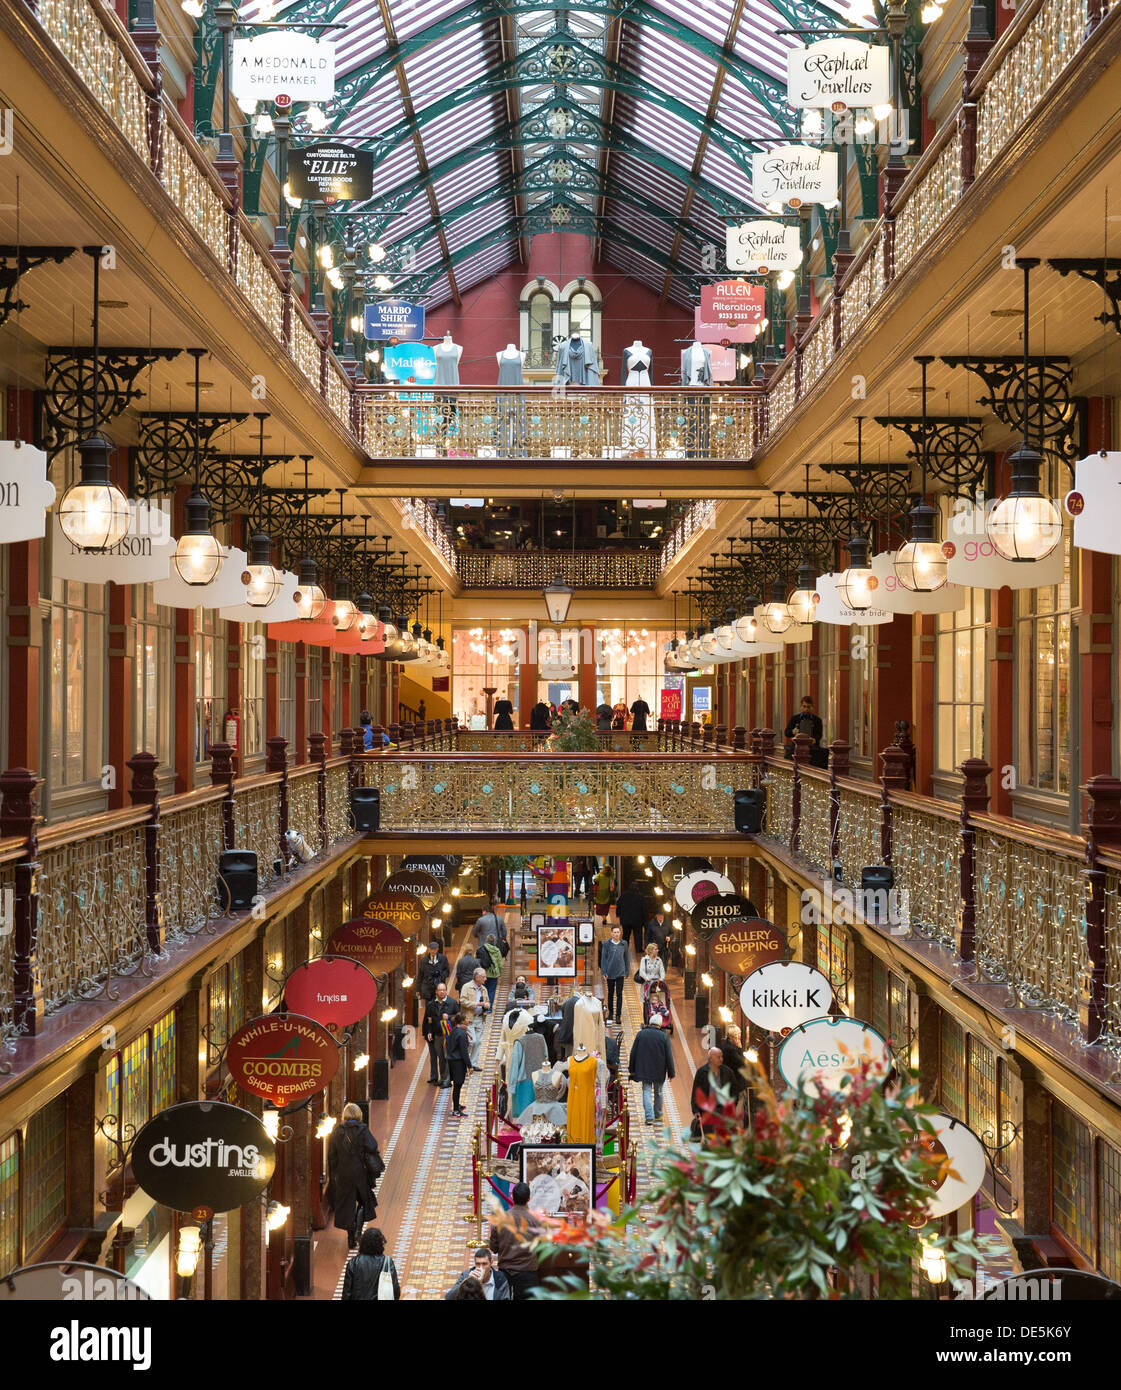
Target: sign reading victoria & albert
{"x": 283, "y": 1058}
{"x": 377, "y": 945}
{"x": 202, "y": 1157}
{"x": 742, "y": 945}
{"x": 331, "y": 173}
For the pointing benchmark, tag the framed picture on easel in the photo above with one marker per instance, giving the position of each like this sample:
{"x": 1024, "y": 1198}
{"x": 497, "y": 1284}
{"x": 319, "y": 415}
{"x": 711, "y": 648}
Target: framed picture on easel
{"x": 561, "y": 1178}
{"x": 556, "y": 951}
{"x": 585, "y": 932}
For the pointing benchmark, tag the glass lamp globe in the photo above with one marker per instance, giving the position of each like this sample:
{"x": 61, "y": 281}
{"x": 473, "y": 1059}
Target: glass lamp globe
{"x": 746, "y": 628}
{"x": 709, "y": 644}
{"x": 857, "y": 584}
{"x": 919, "y": 563}
{"x": 261, "y": 578}
{"x": 1025, "y": 525}
{"x": 367, "y": 623}
{"x": 311, "y": 601}
{"x": 802, "y": 602}
{"x": 390, "y": 633}
{"x": 94, "y": 512}
{"x": 344, "y": 615}
{"x": 776, "y": 613}
{"x": 725, "y": 636}
{"x": 198, "y": 554}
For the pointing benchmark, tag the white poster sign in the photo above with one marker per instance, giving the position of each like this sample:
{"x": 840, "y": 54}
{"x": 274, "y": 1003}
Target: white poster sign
{"x": 837, "y": 74}
{"x": 784, "y": 994}
{"x": 897, "y": 598}
{"x": 1093, "y": 503}
{"x": 696, "y": 887}
{"x": 25, "y": 493}
{"x": 763, "y": 246}
{"x": 142, "y": 556}
{"x": 818, "y": 1056}
{"x": 832, "y": 610}
{"x": 976, "y": 563}
{"x": 794, "y": 174}
{"x": 285, "y": 63}
{"x": 281, "y": 610}
{"x": 224, "y": 591}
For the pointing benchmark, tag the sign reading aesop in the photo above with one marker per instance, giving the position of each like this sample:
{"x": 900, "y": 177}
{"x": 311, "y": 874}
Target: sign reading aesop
{"x": 282, "y": 1058}
{"x": 718, "y": 910}
{"x": 202, "y": 1157}
{"x": 405, "y": 910}
{"x": 333, "y": 990}
{"x": 378, "y": 945}
{"x": 741, "y": 946}
{"x": 819, "y": 1055}
{"x": 420, "y": 884}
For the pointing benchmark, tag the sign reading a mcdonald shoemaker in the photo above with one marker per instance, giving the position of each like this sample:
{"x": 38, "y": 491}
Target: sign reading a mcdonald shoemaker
{"x": 742, "y": 945}
{"x": 283, "y": 1058}
{"x": 404, "y": 909}
{"x": 376, "y": 944}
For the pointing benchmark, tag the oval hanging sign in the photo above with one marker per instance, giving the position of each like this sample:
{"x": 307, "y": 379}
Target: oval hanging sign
{"x": 332, "y": 990}
{"x": 405, "y": 910}
{"x": 675, "y": 868}
{"x": 785, "y": 994}
{"x": 819, "y": 1056}
{"x": 441, "y": 866}
{"x": 202, "y": 1157}
{"x": 690, "y": 891}
{"x": 377, "y": 945}
{"x": 64, "y": 1282}
{"x": 283, "y": 1058}
{"x": 963, "y": 1160}
{"x": 418, "y": 882}
{"x": 740, "y": 946}
{"x": 718, "y": 910}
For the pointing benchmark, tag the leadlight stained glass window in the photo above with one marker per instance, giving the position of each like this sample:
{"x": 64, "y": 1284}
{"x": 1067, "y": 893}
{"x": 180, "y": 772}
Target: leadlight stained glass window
{"x": 165, "y": 1063}
{"x": 1006, "y": 1117}
{"x": 136, "y": 1087}
{"x": 879, "y": 1009}
{"x": 899, "y": 1023}
{"x": 1072, "y": 1178}
{"x": 236, "y": 970}
{"x": 113, "y": 1106}
{"x": 1109, "y": 1210}
{"x": 833, "y": 957}
{"x": 952, "y": 1068}
{"x": 218, "y": 1009}
{"x": 982, "y": 1090}
{"x": 9, "y": 1203}
{"x": 45, "y": 1173}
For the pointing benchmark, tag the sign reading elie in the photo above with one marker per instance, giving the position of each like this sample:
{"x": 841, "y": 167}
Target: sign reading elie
{"x": 331, "y": 173}
{"x": 282, "y": 1057}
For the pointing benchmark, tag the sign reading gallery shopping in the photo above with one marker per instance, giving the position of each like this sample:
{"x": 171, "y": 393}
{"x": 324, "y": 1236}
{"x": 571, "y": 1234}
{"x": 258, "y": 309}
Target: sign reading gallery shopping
{"x": 741, "y": 946}
{"x": 283, "y": 1058}
{"x": 203, "y": 1156}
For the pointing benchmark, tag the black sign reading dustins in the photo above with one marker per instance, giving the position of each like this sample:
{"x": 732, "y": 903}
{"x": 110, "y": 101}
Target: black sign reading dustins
{"x": 203, "y": 1157}
{"x": 330, "y": 173}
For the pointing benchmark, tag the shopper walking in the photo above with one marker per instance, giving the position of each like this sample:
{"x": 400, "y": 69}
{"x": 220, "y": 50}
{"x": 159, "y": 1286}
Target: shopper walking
{"x": 651, "y": 1063}
{"x": 432, "y": 969}
{"x": 465, "y": 968}
{"x": 616, "y": 965}
{"x": 712, "y": 1082}
{"x": 438, "y": 1014}
{"x": 490, "y": 958}
{"x": 457, "y": 1048}
{"x": 631, "y": 912}
{"x": 650, "y": 967}
{"x": 488, "y": 924}
{"x": 353, "y": 1168}
{"x": 657, "y": 931}
{"x": 510, "y": 1238}
{"x": 371, "y": 1274}
{"x": 603, "y": 891}
{"x": 474, "y": 1003}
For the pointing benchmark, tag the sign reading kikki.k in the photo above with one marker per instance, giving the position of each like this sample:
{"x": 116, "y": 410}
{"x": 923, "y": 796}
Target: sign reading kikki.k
{"x": 283, "y": 1058}
{"x": 784, "y": 994}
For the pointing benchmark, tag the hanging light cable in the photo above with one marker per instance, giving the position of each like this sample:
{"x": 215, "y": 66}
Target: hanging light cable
{"x": 777, "y": 617}
{"x": 344, "y": 615}
{"x": 198, "y": 553}
{"x": 261, "y": 578}
{"x": 857, "y": 583}
{"x": 920, "y": 564}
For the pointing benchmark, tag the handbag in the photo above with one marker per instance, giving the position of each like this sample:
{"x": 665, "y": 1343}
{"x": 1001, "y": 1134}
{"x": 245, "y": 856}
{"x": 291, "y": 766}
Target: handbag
{"x": 385, "y": 1280}
{"x": 638, "y": 977}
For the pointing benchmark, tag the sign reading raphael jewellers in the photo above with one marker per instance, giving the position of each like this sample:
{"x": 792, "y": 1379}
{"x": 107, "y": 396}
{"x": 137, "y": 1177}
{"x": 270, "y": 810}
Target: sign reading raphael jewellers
{"x": 283, "y": 1058}
{"x": 785, "y": 994}
{"x": 763, "y": 246}
{"x": 819, "y": 1055}
{"x": 794, "y": 174}
{"x": 379, "y": 946}
{"x": 744, "y": 944}
{"x": 287, "y": 63}
{"x": 202, "y": 1157}
{"x": 837, "y": 74}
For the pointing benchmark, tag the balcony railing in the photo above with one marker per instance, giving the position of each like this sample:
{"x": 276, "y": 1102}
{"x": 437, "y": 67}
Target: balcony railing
{"x": 533, "y": 569}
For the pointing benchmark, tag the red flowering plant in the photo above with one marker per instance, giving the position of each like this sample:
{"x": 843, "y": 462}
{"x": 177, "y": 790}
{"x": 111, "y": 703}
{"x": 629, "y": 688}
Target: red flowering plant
{"x": 812, "y": 1198}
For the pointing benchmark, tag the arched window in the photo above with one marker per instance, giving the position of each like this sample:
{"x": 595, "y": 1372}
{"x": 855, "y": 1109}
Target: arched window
{"x": 540, "y": 326}
{"x": 580, "y": 314}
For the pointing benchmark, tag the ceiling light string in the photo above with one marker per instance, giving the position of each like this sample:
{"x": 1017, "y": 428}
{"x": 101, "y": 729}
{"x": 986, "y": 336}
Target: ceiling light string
{"x": 920, "y": 563}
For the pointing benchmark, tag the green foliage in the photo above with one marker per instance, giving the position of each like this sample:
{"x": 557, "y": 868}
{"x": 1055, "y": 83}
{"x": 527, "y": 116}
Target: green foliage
{"x": 574, "y": 733}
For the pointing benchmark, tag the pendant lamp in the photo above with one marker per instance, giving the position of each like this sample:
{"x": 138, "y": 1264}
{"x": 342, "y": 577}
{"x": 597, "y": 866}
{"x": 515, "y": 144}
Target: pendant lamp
{"x": 311, "y": 601}
{"x": 777, "y": 616}
{"x": 856, "y": 583}
{"x": 261, "y": 578}
{"x": 920, "y": 564}
{"x": 802, "y": 599}
{"x": 198, "y": 553}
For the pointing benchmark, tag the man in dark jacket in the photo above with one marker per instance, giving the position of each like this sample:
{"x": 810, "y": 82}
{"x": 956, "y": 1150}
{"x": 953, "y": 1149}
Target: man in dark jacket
{"x": 631, "y": 912}
{"x": 488, "y": 924}
{"x": 509, "y": 1239}
{"x": 350, "y": 1188}
{"x": 657, "y": 931}
{"x": 432, "y": 970}
{"x": 714, "y": 1076}
{"x": 496, "y": 1287}
{"x": 732, "y": 1048}
{"x": 465, "y": 968}
{"x": 434, "y": 1031}
{"x": 651, "y": 1063}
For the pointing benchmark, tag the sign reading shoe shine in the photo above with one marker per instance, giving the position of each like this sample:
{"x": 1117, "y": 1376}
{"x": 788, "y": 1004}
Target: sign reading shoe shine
{"x": 837, "y": 75}
{"x": 763, "y": 246}
{"x": 283, "y": 63}
{"x": 203, "y": 1156}
{"x": 795, "y": 175}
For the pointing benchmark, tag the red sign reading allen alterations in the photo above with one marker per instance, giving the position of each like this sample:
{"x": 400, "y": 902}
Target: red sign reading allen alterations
{"x": 283, "y": 1058}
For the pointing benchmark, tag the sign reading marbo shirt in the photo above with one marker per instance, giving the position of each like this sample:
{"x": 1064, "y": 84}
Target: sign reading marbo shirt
{"x": 378, "y": 945}
{"x": 333, "y": 990}
{"x": 763, "y": 246}
{"x": 837, "y": 74}
{"x": 404, "y": 909}
{"x": 394, "y": 318}
{"x": 718, "y": 910}
{"x": 794, "y": 174}
{"x": 733, "y": 302}
{"x": 818, "y": 1055}
{"x": 740, "y": 946}
{"x": 287, "y": 63}
{"x": 203, "y": 1156}
{"x": 425, "y": 886}
{"x": 283, "y": 1058}
{"x": 25, "y": 493}
{"x": 784, "y": 995}
{"x": 331, "y": 173}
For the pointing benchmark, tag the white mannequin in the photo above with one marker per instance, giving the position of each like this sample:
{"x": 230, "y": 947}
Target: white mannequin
{"x": 449, "y": 342}
{"x": 638, "y": 414}
{"x": 448, "y": 354}
{"x": 696, "y": 363}
{"x": 509, "y": 351}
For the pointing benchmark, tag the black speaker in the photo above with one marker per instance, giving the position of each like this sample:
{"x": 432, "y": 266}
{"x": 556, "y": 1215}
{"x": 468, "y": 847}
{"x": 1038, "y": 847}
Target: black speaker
{"x": 399, "y": 1043}
{"x": 749, "y": 810}
{"x": 877, "y": 877}
{"x": 365, "y": 808}
{"x": 876, "y": 882}
{"x": 379, "y": 1079}
{"x": 301, "y": 1265}
{"x": 237, "y": 879}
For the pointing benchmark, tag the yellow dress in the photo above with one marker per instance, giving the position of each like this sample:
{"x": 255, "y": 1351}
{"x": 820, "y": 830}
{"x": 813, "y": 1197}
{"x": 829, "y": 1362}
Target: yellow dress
{"x": 581, "y": 1124}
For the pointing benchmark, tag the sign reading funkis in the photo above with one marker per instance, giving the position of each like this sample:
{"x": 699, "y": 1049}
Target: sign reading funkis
{"x": 333, "y": 990}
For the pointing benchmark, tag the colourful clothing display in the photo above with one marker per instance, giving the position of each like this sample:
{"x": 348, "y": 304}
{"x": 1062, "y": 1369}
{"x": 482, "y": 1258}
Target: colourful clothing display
{"x": 581, "y": 1126}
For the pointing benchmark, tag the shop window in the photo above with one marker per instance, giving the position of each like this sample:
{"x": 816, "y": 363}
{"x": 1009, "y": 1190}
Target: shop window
{"x": 540, "y": 344}
{"x": 982, "y": 1098}
{"x": 253, "y": 663}
{"x": 286, "y": 693}
{"x": 153, "y": 705}
{"x": 9, "y": 1204}
{"x": 1109, "y": 1208}
{"x": 113, "y": 1106}
{"x": 165, "y": 1063}
{"x": 631, "y": 668}
{"x": 889, "y": 1011}
{"x": 1072, "y": 1179}
{"x": 959, "y": 688}
{"x": 862, "y": 673}
{"x": 314, "y": 690}
{"x": 880, "y": 1008}
{"x": 274, "y": 962}
{"x": 45, "y": 1183}
{"x": 210, "y": 681}
{"x": 484, "y": 657}
{"x": 833, "y": 958}
{"x": 580, "y": 318}
{"x": 1044, "y": 706}
{"x": 217, "y": 1011}
{"x": 951, "y": 1070}
{"x": 339, "y": 718}
{"x": 235, "y": 973}
{"x": 76, "y": 750}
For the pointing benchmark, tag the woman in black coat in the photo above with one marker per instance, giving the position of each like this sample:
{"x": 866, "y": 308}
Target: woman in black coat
{"x": 457, "y": 1049}
{"x": 539, "y": 716}
{"x": 360, "y": 1281}
{"x": 351, "y": 1191}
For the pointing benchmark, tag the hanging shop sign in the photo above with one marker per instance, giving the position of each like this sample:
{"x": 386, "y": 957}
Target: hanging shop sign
{"x": 374, "y": 943}
{"x": 335, "y": 991}
{"x": 976, "y": 563}
{"x": 673, "y": 870}
{"x": 225, "y": 590}
{"x": 395, "y": 321}
{"x": 331, "y": 173}
{"x": 202, "y": 1157}
{"x": 830, "y": 609}
{"x": 283, "y": 1058}
{"x": 404, "y": 909}
{"x": 441, "y": 866}
{"x": 895, "y": 597}
{"x": 411, "y": 364}
{"x": 784, "y": 994}
{"x": 425, "y": 886}
{"x": 733, "y": 302}
{"x": 837, "y": 75}
{"x": 713, "y": 333}
{"x": 695, "y": 887}
{"x": 819, "y": 1055}
{"x": 141, "y": 556}
{"x": 282, "y": 609}
{"x": 1043, "y": 1285}
{"x": 794, "y": 174}
{"x": 799, "y": 632}
{"x": 68, "y": 1281}
{"x": 282, "y": 64}
{"x": 1093, "y": 503}
{"x": 717, "y": 910}
{"x": 763, "y": 246}
{"x": 25, "y": 493}
{"x": 963, "y": 1162}
{"x": 740, "y": 946}
{"x": 701, "y": 699}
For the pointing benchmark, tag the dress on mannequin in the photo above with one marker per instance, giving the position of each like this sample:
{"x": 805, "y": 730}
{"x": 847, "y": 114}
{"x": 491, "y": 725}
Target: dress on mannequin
{"x": 581, "y": 1117}
{"x": 638, "y": 410}
{"x": 577, "y": 362}
{"x": 447, "y": 362}
{"x": 510, "y": 408}
{"x": 588, "y": 1025}
{"x": 527, "y": 1055}
{"x": 550, "y": 1086}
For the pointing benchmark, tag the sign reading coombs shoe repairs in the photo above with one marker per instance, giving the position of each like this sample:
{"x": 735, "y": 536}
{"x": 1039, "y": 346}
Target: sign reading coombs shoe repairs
{"x": 202, "y": 1157}
{"x": 784, "y": 994}
{"x": 333, "y": 990}
{"x": 837, "y": 75}
{"x": 819, "y": 1055}
{"x": 377, "y": 945}
{"x": 718, "y": 910}
{"x": 331, "y": 173}
{"x": 405, "y": 910}
{"x": 283, "y": 1058}
{"x": 795, "y": 175}
{"x": 285, "y": 63}
{"x": 741, "y": 946}
{"x": 763, "y": 246}
{"x": 394, "y": 319}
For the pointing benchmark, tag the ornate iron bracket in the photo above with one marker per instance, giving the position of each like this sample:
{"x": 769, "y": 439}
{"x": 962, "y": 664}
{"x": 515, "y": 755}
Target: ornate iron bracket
{"x": 882, "y": 490}
{"x": 954, "y": 453}
{"x": 68, "y": 390}
{"x": 165, "y": 450}
{"x": 15, "y": 262}
{"x": 108, "y": 1125}
{"x": 1105, "y": 273}
{"x": 1053, "y": 410}
{"x": 992, "y": 1148}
